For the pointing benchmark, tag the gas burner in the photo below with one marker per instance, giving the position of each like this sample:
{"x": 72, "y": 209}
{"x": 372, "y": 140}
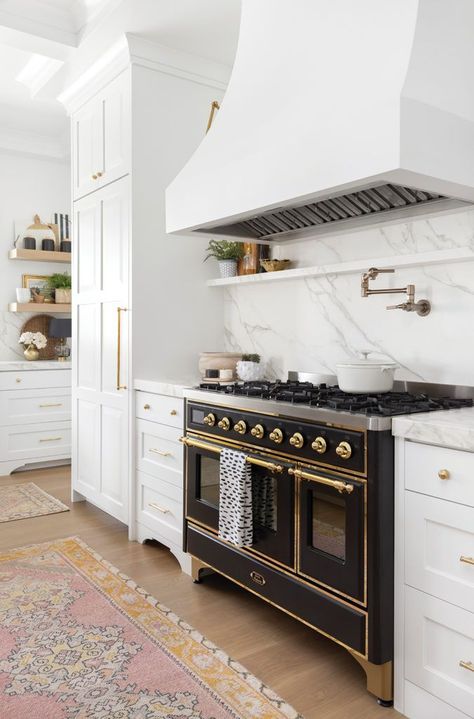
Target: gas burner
{"x": 388, "y": 404}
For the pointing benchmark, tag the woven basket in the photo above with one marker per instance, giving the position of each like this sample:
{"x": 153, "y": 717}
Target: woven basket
{"x": 40, "y": 323}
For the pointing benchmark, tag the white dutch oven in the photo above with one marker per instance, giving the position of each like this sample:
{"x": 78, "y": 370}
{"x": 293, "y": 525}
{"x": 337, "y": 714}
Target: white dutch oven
{"x": 365, "y": 376}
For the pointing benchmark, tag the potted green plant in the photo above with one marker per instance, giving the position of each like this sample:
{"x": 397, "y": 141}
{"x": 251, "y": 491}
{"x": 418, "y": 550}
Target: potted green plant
{"x": 60, "y": 282}
{"x": 227, "y": 254}
{"x": 249, "y": 368}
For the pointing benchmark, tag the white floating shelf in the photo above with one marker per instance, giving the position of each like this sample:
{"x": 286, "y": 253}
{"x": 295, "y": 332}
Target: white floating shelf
{"x": 437, "y": 257}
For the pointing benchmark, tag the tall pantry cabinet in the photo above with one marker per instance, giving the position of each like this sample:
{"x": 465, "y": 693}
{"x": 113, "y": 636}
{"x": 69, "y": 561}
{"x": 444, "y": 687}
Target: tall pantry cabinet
{"x": 141, "y": 308}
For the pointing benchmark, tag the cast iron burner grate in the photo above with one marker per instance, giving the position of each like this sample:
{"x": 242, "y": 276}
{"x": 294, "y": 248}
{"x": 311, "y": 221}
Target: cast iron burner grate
{"x": 387, "y": 404}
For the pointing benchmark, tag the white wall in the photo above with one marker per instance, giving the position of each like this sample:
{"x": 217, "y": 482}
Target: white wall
{"x": 311, "y": 324}
{"x": 28, "y": 185}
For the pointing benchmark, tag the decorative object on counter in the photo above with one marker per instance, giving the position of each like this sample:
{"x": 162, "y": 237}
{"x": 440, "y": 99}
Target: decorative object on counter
{"x": 226, "y": 375}
{"x": 40, "y": 323}
{"x": 39, "y": 286}
{"x": 39, "y": 231}
{"x": 37, "y": 296}
{"x": 48, "y": 245}
{"x": 23, "y": 295}
{"x": 366, "y": 376}
{"x": 422, "y": 307}
{"x": 249, "y": 368}
{"x": 250, "y": 263}
{"x": 60, "y": 284}
{"x": 275, "y": 265}
{"x": 212, "y": 373}
{"x": 33, "y": 342}
{"x": 227, "y": 254}
{"x": 218, "y": 361}
{"x": 60, "y": 329}
{"x": 29, "y": 243}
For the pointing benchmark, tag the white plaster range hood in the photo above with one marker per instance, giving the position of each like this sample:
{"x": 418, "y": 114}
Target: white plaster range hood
{"x": 327, "y": 100}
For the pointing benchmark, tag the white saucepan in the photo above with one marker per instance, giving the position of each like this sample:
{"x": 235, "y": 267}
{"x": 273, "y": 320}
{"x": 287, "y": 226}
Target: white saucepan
{"x": 364, "y": 376}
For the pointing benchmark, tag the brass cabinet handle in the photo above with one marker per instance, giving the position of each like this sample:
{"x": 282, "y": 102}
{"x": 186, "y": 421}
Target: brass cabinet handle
{"x": 214, "y": 106}
{"x": 173, "y": 412}
{"x": 99, "y": 174}
{"x": 51, "y": 404}
{"x": 444, "y": 474}
{"x": 50, "y": 439}
{"x": 467, "y": 665}
{"x": 94, "y": 176}
{"x": 466, "y": 560}
{"x": 146, "y": 406}
{"x": 337, "y": 484}
{"x": 189, "y": 442}
{"x": 18, "y": 380}
{"x": 154, "y": 505}
{"x": 119, "y": 342}
{"x": 258, "y": 578}
{"x": 160, "y": 452}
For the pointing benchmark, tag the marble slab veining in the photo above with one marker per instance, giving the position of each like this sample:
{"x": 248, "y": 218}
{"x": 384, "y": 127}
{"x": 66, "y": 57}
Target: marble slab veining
{"x": 22, "y": 366}
{"x": 452, "y": 428}
{"x": 169, "y": 389}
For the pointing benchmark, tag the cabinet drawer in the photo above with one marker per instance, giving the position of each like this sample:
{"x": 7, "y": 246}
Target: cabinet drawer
{"x": 158, "y": 408}
{"x": 35, "y": 440}
{"x": 35, "y": 379}
{"x": 439, "y": 548}
{"x": 422, "y": 464}
{"x": 35, "y": 405}
{"x": 159, "y": 451}
{"x": 160, "y": 507}
{"x": 438, "y": 638}
{"x": 344, "y": 623}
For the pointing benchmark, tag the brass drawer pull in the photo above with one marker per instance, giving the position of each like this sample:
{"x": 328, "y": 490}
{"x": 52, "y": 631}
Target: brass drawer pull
{"x": 467, "y": 665}
{"x": 50, "y": 439}
{"x": 52, "y": 404}
{"x": 174, "y": 412}
{"x": 257, "y": 578}
{"x": 444, "y": 474}
{"x": 146, "y": 406}
{"x": 189, "y": 442}
{"x": 154, "y": 505}
{"x": 466, "y": 560}
{"x": 337, "y": 484}
{"x": 119, "y": 346}
{"x": 160, "y": 452}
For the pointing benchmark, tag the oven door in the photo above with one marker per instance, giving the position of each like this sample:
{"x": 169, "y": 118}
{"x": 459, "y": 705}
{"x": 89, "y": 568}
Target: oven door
{"x": 332, "y": 531}
{"x": 272, "y": 493}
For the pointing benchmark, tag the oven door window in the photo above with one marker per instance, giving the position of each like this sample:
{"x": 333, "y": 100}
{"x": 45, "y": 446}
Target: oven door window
{"x": 208, "y": 490}
{"x": 332, "y": 536}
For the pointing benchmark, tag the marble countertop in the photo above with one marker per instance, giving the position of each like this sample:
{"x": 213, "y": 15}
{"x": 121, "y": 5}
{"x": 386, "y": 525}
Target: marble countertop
{"x": 22, "y": 365}
{"x": 169, "y": 389}
{"x": 447, "y": 428}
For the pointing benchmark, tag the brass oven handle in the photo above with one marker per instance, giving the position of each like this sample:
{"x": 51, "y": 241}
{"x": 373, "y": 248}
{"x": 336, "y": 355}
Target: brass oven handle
{"x": 466, "y": 560}
{"x": 154, "y": 505}
{"x": 119, "y": 341}
{"x": 340, "y": 486}
{"x": 189, "y": 442}
{"x": 467, "y": 665}
{"x": 160, "y": 452}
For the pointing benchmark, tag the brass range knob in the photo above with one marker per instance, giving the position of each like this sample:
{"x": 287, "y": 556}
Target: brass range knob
{"x": 319, "y": 445}
{"x": 276, "y": 436}
{"x": 344, "y": 450}
{"x": 258, "y": 432}
{"x": 224, "y": 424}
{"x": 297, "y": 440}
{"x": 210, "y": 419}
{"x": 240, "y": 427}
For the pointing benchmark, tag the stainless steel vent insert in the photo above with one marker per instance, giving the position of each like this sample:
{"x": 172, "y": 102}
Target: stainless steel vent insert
{"x": 366, "y": 206}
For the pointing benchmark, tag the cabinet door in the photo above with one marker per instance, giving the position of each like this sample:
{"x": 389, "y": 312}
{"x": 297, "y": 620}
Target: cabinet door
{"x": 101, "y": 346}
{"x": 115, "y": 101}
{"x": 87, "y": 147}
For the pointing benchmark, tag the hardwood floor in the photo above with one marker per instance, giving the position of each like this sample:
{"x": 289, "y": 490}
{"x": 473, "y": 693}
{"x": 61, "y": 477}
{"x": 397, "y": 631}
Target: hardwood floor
{"x": 312, "y": 673}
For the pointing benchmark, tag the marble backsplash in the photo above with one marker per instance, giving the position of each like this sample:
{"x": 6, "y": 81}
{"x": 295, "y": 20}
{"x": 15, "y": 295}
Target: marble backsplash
{"x": 311, "y": 324}
{"x": 10, "y": 329}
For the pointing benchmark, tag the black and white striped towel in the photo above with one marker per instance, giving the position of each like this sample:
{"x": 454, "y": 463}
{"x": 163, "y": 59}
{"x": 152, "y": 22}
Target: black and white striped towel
{"x": 235, "y": 499}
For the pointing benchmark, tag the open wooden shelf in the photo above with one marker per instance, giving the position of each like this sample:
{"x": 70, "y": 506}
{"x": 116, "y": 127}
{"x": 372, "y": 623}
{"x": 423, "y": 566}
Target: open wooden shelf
{"x": 39, "y": 308}
{"x": 39, "y": 256}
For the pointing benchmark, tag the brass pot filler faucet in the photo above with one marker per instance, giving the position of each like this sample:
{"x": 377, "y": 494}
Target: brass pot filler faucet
{"x": 422, "y": 307}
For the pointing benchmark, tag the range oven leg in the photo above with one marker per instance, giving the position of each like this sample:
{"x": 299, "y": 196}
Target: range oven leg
{"x": 379, "y": 680}
{"x": 196, "y": 567}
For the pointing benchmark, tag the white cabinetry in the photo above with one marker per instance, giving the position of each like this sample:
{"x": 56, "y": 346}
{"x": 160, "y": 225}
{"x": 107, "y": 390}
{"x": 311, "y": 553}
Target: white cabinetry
{"x": 159, "y": 472}
{"x": 35, "y": 417}
{"x": 434, "y": 595}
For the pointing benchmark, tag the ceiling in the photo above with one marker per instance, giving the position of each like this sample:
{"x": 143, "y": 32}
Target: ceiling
{"x": 38, "y": 38}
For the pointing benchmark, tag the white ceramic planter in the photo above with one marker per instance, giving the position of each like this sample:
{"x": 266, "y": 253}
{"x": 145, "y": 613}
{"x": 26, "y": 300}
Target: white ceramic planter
{"x": 365, "y": 376}
{"x": 250, "y": 371}
{"x": 228, "y": 268}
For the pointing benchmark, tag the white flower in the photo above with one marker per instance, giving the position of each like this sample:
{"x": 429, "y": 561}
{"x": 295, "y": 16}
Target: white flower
{"x": 33, "y": 338}
{"x": 26, "y": 338}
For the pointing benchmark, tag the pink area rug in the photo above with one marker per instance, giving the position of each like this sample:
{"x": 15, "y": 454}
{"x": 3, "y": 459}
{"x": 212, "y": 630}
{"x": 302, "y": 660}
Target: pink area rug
{"x": 79, "y": 640}
{"x": 21, "y": 501}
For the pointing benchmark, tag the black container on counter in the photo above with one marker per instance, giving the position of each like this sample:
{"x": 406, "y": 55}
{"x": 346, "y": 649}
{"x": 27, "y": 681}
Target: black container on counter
{"x": 65, "y": 246}
{"x": 29, "y": 243}
{"x": 48, "y": 245}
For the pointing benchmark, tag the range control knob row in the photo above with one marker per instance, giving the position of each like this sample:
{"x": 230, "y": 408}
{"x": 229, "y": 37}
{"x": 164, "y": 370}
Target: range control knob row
{"x": 344, "y": 450}
{"x": 258, "y": 432}
{"x": 276, "y": 436}
{"x": 297, "y": 440}
{"x": 319, "y": 445}
{"x": 210, "y": 419}
{"x": 224, "y": 424}
{"x": 240, "y": 427}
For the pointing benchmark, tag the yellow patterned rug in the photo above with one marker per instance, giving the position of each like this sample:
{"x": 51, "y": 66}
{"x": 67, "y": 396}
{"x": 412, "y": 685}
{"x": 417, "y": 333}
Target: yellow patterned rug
{"x": 21, "y": 501}
{"x": 79, "y": 640}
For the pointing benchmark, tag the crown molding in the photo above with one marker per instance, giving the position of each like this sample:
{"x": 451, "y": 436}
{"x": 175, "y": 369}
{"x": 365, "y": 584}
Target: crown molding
{"x": 33, "y": 144}
{"x": 132, "y": 50}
